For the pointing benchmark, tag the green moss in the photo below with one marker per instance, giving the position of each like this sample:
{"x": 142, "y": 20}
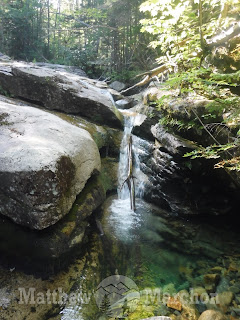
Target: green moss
{"x": 6, "y": 93}
{"x": 69, "y": 227}
{"x": 108, "y": 175}
{"x": 66, "y": 117}
{"x": 85, "y": 197}
{"x": 98, "y": 133}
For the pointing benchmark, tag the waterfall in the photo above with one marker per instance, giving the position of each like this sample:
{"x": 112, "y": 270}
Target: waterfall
{"x": 129, "y": 148}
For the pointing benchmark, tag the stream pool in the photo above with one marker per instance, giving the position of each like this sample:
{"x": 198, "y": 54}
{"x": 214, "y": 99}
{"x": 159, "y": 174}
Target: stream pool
{"x": 160, "y": 254}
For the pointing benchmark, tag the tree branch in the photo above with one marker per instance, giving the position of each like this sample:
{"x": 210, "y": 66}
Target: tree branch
{"x": 225, "y": 36}
{"x": 149, "y": 75}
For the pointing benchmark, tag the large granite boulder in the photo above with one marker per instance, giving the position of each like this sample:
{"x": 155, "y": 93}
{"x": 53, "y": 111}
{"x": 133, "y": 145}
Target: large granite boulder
{"x": 61, "y": 91}
{"x": 45, "y": 163}
{"x": 61, "y": 67}
{"x": 59, "y": 241}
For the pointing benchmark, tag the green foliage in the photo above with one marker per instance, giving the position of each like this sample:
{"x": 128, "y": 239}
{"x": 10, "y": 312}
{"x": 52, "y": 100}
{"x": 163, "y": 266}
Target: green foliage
{"x": 183, "y": 27}
{"x": 211, "y": 152}
{"x": 184, "y": 30}
{"x": 162, "y": 101}
{"x": 180, "y": 124}
{"x": 229, "y": 79}
{"x": 101, "y": 36}
{"x": 105, "y": 306}
{"x": 202, "y": 81}
{"x": 225, "y": 104}
{"x": 216, "y": 152}
{"x": 170, "y": 21}
{"x": 124, "y": 75}
{"x": 19, "y": 38}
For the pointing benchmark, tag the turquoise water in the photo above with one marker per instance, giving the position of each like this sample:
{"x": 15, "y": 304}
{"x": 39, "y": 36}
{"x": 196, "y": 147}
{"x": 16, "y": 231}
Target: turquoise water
{"x": 151, "y": 248}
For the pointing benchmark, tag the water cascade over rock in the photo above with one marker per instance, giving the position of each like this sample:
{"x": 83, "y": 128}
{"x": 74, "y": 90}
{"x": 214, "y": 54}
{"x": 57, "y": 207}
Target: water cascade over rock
{"x": 130, "y": 177}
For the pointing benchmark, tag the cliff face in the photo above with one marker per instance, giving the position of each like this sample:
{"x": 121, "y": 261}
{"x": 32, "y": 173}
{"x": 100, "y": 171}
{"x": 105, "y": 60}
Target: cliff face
{"x": 181, "y": 125}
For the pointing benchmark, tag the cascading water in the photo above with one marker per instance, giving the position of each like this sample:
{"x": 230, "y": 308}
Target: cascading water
{"x": 129, "y": 173}
{"x": 122, "y": 208}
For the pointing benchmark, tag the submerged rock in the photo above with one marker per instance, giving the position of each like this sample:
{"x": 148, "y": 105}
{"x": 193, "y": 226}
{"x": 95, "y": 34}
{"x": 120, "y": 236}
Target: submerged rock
{"x": 212, "y": 315}
{"x": 62, "y": 91}
{"x": 225, "y": 299}
{"x": 211, "y": 281}
{"x": 45, "y": 163}
{"x": 174, "y": 304}
{"x": 189, "y": 312}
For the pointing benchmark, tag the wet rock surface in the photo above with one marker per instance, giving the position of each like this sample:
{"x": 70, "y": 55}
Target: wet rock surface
{"x": 124, "y": 104}
{"x": 180, "y": 186}
{"x": 175, "y": 182}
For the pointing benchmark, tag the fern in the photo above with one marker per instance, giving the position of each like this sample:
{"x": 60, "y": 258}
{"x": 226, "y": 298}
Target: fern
{"x": 210, "y": 152}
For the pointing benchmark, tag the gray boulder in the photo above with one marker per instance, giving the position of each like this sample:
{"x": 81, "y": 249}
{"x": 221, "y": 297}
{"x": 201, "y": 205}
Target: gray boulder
{"x": 45, "y": 163}
{"x": 61, "y": 91}
{"x": 117, "y": 85}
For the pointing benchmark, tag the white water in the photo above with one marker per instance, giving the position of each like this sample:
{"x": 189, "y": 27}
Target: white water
{"x": 123, "y": 191}
{"x": 121, "y": 213}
